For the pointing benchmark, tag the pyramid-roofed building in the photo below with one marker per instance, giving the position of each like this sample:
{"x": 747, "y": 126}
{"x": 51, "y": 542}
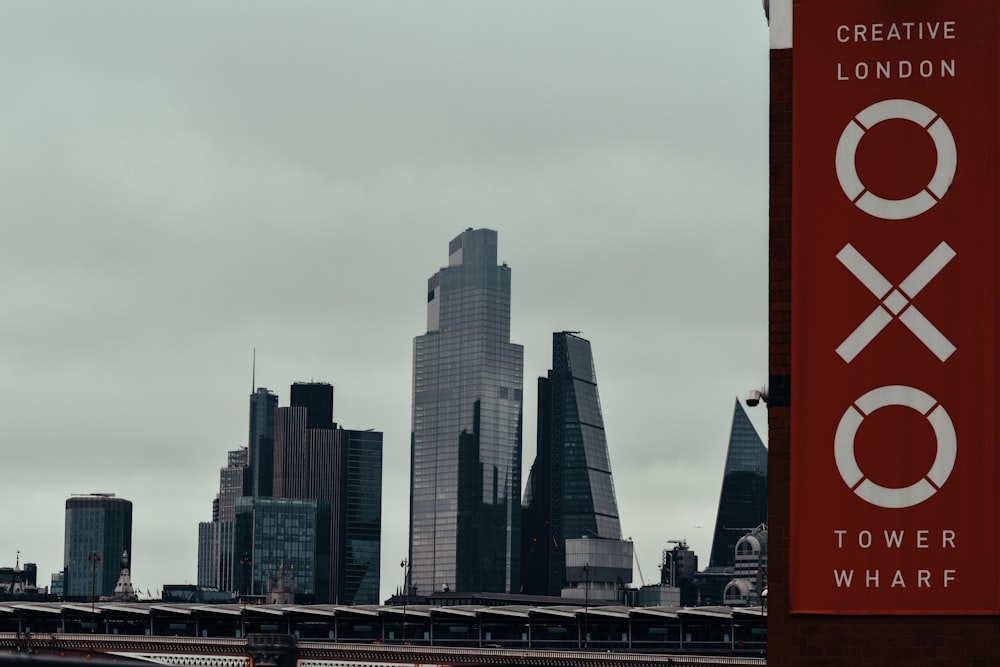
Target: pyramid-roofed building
{"x": 743, "y": 500}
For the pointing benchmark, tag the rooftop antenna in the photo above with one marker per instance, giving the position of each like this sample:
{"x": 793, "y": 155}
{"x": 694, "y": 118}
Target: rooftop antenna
{"x": 253, "y": 372}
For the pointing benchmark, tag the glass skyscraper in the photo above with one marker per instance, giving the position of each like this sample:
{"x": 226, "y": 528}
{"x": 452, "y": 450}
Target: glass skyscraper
{"x": 98, "y": 532}
{"x": 304, "y": 473}
{"x": 263, "y": 404}
{"x": 570, "y": 494}
{"x": 289, "y": 533}
{"x": 361, "y": 518}
{"x": 743, "y": 500}
{"x": 465, "y": 482}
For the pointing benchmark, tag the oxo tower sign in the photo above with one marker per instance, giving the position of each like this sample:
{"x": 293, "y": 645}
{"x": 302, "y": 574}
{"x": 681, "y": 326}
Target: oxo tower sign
{"x": 894, "y": 402}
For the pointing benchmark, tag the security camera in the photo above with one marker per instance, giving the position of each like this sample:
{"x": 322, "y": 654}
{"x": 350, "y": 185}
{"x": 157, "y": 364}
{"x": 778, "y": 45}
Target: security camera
{"x": 753, "y": 398}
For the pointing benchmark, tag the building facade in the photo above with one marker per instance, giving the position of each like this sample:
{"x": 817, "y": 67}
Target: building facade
{"x": 263, "y": 406}
{"x": 20, "y": 580}
{"x": 570, "y": 495}
{"x": 743, "y": 499}
{"x": 301, "y": 455}
{"x": 360, "y": 527}
{"x": 272, "y": 534}
{"x": 750, "y": 569}
{"x": 98, "y": 532}
{"x": 465, "y": 480}
{"x": 215, "y": 537}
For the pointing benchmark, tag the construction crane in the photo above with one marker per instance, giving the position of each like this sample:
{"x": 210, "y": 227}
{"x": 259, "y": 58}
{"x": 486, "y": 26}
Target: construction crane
{"x": 635, "y": 556}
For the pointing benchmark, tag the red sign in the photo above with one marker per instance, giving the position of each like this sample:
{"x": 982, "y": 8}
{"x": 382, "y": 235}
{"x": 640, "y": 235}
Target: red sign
{"x": 894, "y": 327}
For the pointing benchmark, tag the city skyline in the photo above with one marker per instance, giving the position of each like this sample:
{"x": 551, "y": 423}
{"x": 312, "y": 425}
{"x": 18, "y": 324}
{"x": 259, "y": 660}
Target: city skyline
{"x": 322, "y": 519}
{"x": 176, "y": 196}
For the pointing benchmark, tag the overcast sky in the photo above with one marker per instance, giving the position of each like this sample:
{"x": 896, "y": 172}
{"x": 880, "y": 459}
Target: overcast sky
{"x": 184, "y": 181}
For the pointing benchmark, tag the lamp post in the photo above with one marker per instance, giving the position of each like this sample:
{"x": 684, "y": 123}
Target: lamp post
{"x": 405, "y": 564}
{"x": 763, "y": 628}
{"x": 586, "y": 605}
{"x": 245, "y": 561}
{"x": 94, "y": 560}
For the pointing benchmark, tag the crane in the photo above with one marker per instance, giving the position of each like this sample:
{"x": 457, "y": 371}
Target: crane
{"x": 635, "y": 556}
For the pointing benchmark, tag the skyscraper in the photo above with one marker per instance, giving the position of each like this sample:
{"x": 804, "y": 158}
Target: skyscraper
{"x": 250, "y": 472}
{"x": 743, "y": 500}
{"x": 215, "y": 538}
{"x": 317, "y": 399}
{"x": 263, "y": 404}
{"x": 316, "y": 459}
{"x": 305, "y": 498}
{"x": 98, "y": 532}
{"x": 570, "y": 504}
{"x": 360, "y": 541}
{"x": 465, "y": 458}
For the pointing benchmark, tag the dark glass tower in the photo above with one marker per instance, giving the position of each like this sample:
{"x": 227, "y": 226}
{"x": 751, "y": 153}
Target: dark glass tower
{"x": 314, "y": 459}
{"x": 250, "y": 472}
{"x": 325, "y": 480}
{"x": 465, "y": 482}
{"x": 294, "y": 533}
{"x": 317, "y": 398}
{"x": 361, "y": 522}
{"x": 98, "y": 532}
{"x": 570, "y": 492}
{"x": 263, "y": 404}
{"x": 743, "y": 501}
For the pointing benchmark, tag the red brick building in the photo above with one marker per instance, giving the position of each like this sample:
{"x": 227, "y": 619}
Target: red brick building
{"x": 883, "y": 525}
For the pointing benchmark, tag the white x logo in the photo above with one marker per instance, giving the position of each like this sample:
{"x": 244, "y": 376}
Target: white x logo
{"x": 895, "y": 302}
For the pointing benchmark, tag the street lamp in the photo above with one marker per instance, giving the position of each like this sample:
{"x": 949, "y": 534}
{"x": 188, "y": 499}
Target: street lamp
{"x": 405, "y": 564}
{"x": 763, "y": 606}
{"x": 245, "y": 561}
{"x": 94, "y": 560}
{"x": 586, "y": 605}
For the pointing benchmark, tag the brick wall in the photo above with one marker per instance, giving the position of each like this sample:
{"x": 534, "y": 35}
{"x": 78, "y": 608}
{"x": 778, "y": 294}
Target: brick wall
{"x": 821, "y": 640}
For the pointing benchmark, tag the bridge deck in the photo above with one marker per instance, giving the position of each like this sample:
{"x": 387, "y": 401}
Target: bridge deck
{"x": 76, "y": 650}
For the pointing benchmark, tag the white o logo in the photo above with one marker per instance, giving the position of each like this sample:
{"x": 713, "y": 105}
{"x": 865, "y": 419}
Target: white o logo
{"x": 944, "y": 460}
{"x": 896, "y": 209}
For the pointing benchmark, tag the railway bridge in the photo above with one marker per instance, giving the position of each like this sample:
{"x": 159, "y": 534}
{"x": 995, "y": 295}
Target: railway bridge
{"x": 278, "y": 650}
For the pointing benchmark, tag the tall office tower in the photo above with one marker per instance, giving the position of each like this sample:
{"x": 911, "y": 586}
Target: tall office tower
{"x": 215, "y": 538}
{"x": 98, "y": 532}
{"x": 321, "y": 478}
{"x": 249, "y": 472}
{"x": 317, "y": 399}
{"x": 570, "y": 512}
{"x": 263, "y": 404}
{"x": 743, "y": 501}
{"x": 306, "y": 444}
{"x": 315, "y": 459}
{"x": 360, "y": 544}
{"x": 465, "y": 457}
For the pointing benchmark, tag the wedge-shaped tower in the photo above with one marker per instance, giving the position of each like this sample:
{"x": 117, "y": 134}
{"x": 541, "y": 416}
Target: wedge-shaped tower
{"x": 572, "y": 535}
{"x": 743, "y": 501}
